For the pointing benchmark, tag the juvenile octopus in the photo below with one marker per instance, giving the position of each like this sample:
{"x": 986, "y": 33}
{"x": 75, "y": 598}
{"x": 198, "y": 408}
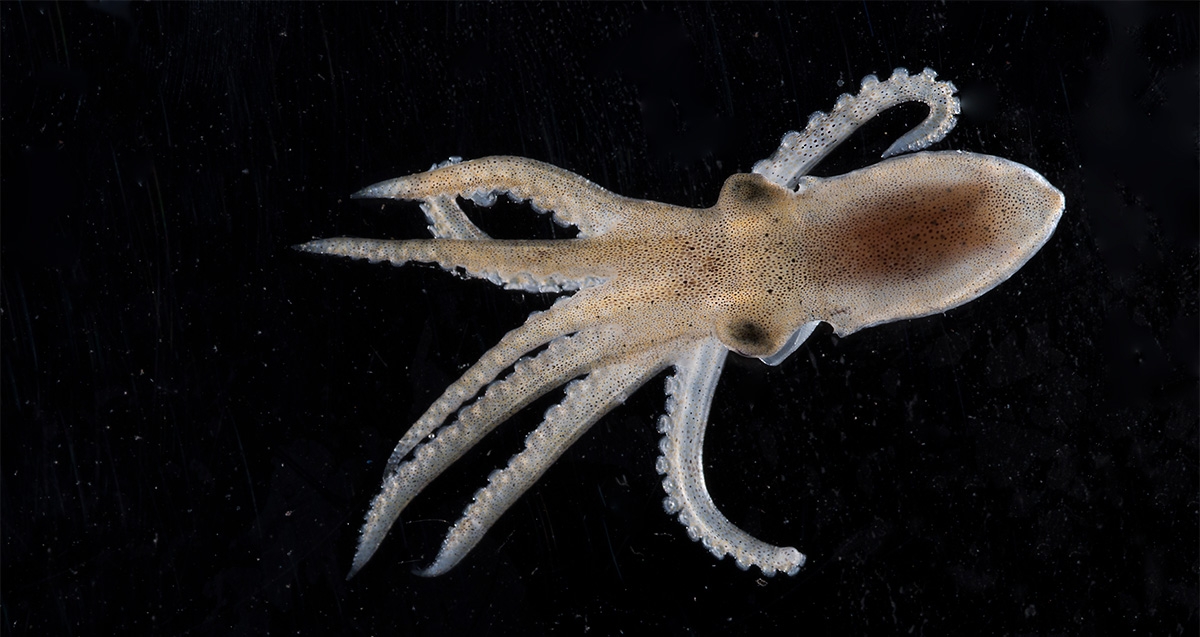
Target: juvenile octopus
{"x": 658, "y": 286}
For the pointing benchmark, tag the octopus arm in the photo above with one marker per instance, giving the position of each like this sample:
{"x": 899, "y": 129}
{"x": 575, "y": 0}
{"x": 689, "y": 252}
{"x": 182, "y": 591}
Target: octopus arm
{"x": 568, "y": 314}
{"x": 531, "y": 266}
{"x": 799, "y": 152}
{"x": 586, "y": 400}
{"x": 448, "y": 221}
{"x": 563, "y": 359}
{"x": 571, "y": 199}
{"x": 690, "y": 393}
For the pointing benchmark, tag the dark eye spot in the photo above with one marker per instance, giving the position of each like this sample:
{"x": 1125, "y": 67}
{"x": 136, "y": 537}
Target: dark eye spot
{"x": 749, "y": 191}
{"x": 748, "y": 332}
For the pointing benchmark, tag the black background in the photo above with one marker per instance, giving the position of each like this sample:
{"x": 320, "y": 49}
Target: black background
{"x": 195, "y": 417}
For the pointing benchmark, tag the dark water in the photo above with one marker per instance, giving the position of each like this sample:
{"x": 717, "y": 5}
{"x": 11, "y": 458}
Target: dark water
{"x": 195, "y": 417}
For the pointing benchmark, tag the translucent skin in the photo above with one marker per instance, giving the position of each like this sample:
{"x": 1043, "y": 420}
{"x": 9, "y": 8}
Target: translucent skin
{"x": 665, "y": 286}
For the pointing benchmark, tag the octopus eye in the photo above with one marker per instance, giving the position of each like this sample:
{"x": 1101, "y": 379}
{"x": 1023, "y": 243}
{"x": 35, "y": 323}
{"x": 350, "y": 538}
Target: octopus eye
{"x": 749, "y": 189}
{"x": 750, "y": 334}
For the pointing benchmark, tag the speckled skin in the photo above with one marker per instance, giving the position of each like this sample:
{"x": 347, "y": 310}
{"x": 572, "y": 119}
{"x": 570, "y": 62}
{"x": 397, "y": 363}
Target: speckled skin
{"x": 664, "y": 286}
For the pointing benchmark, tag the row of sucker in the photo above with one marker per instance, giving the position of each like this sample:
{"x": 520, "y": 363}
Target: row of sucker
{"x": 448, "y": 221}
{"x": 799, "y": 152}
{"x": 585, "y": 401}
{"x": 690, "y": 393}
{"x": 570, "y": 199}
{"x": 508, "y": 264}
{"x": 567, "y": 315}
{"x": 563, "y": 359}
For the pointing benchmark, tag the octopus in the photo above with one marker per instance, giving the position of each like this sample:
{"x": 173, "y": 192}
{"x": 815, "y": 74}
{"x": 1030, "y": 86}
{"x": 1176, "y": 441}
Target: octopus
{"x": 656, "y": 286}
